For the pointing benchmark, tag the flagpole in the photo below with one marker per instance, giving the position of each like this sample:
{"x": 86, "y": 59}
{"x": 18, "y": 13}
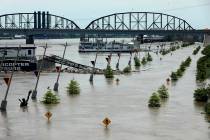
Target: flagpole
{"x": 4, "y": 102}
{"x": 34, "y": 93}
{"x": 57, "y": 84}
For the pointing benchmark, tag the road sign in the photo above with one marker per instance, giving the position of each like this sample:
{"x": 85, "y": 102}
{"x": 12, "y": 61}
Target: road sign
{"x": 7, "y": 80}
{"x": 106, "y": 122}
{"x": 48, "y": 115}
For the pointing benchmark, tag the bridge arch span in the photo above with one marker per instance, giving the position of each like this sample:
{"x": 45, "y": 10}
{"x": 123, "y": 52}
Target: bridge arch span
{"x": 36, "y": 20}
{"x": 139, "y": 21}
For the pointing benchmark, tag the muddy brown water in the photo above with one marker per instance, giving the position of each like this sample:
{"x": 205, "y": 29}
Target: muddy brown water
{"x": 80, "y": 117}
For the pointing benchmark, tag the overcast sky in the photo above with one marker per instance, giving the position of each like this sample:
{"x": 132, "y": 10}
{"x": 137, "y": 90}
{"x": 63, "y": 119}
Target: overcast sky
{"x": 195, "y": 12}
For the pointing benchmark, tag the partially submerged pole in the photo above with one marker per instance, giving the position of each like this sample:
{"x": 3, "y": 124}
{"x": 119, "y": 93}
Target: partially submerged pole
{"x": 129, "y": 62}
{"x": 110, "y": 56}
{"x": 34, "y": 93}
{"x": 118, "y": 62}
{"x": 4, "y": 101}
{"x": 94, "y": 65}
{"x": 59, "y": 72}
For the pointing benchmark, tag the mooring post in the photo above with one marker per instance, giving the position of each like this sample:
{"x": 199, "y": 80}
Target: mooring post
{"x": 34, "y": 93}
{"x": 59, "y": 72}
{"x": 4, "y": 101}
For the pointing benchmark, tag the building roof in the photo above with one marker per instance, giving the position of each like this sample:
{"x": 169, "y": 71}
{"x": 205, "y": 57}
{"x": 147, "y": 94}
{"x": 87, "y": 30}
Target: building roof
{"x": 13, "y": 46}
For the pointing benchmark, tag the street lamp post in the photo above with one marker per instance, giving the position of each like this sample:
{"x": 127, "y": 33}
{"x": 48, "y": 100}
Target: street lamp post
{"x": 110, "y": 56}
{"x": 56, "y": 83}
{"x": 34, "y": 93}
{"x": 94, "y": 65}
{"x": 4, "y": 101}
{"x": 118, "y": 62}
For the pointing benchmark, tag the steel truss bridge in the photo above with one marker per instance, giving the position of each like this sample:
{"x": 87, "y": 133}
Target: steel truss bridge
{"x": 115, "y": 25}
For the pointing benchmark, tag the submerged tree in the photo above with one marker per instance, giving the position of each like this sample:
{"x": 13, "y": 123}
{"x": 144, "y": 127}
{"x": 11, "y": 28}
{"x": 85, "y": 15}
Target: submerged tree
{"x": 144, "y": 61}
{"x": 179, "y": 72}
{"x": 207, "y": 108}
{"x": 174, "y": 76}
{"x": 163, "y": 92}
{"x": 127, "y": 69}
{"x": 154, "y": 100}
{"x": 109, "y": 72}
{"x": 50, "y": 98}
{"x": 137, "y": 61}
{"x": 73, "y": 87}
{"x": 201, "y": 95}
{"x": 149, "y": 57}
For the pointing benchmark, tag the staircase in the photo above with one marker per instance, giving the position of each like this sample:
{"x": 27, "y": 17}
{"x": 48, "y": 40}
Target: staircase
{"x": 66, "y": 62}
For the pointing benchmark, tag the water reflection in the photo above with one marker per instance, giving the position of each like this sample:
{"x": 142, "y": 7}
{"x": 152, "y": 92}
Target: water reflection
{"x": 154, "y": 111}
{"x": 49, "y": 124}
{"x": 201, "y": 84}
{"x": 107, "y": 132}
{"x": 207, "y": 118}
{"x": 137, "y": 68}
{"x": 109, "y": 81}
{"x": 173, "y": 83}
{"x": 199, "y": 105}
{"x": 24, "y": 109}
{"x": 6, "y": 124}
{"x": 4, "y": 114}
{"x": 164, "y": 102}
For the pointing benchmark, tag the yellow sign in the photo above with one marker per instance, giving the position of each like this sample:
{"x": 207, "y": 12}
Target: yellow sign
{"x": 48, "y": 115}
{"x": 106, "y": 121}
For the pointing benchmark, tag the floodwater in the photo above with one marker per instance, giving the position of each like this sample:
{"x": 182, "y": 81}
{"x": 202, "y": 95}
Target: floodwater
{"x": 126, "y": 104}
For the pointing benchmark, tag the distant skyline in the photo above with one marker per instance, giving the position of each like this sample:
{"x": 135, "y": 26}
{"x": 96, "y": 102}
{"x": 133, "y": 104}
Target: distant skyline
{"x": 195, "y": 12}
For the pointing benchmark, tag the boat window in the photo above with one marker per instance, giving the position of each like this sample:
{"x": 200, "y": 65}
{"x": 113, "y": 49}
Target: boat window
{"x": 29, "y": 52}
{"x": 5, "y": 52}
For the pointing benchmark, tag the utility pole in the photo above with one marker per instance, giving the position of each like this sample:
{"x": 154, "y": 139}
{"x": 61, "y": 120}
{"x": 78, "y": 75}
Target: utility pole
{"x": 34, "y": 93}
{"x": 4, "y": 101}
{"x": 59, "y": 72}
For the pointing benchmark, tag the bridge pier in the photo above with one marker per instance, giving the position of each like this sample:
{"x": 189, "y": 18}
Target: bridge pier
{"x": 206, "y": 40}
{"x": 30, "y": 39}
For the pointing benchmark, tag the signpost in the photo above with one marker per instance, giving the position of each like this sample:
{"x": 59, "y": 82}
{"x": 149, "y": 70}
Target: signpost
{"x": 48, "y": 115}
{"x": 4, "y": 102}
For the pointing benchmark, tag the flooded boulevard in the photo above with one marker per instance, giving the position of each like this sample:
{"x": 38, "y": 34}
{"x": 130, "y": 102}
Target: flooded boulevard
{"x": 126, "y": 104}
